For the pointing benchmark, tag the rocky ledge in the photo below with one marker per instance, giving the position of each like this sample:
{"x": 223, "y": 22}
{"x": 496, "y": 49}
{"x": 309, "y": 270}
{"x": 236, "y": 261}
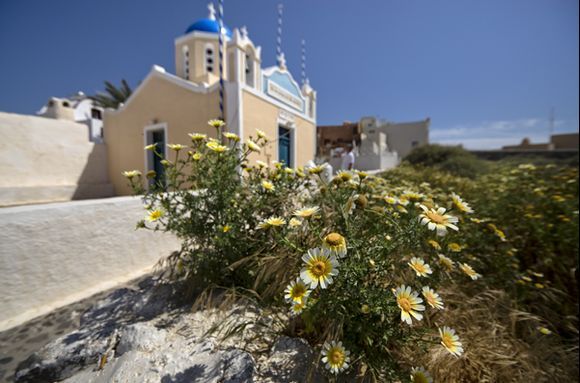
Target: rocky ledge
{"x": 142, "y": 334}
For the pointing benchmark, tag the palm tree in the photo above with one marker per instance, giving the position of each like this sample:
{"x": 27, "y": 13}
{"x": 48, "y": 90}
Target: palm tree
{"x": 114, "y": 96}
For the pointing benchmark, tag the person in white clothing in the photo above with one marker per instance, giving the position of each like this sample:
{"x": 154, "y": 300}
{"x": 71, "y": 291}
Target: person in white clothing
{"x": 348, "y": 158}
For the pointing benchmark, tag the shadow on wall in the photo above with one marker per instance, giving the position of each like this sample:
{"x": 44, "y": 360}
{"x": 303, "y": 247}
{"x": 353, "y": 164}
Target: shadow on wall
{"x": 93, "y": 181}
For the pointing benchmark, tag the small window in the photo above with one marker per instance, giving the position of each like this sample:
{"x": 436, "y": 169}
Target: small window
{"x": 96, "y": 114}
{"x": 66, "y": 104}
{"x": 414, "y": 144}
{"x": 209, "y": 58}
{"x": 51, "y": 103}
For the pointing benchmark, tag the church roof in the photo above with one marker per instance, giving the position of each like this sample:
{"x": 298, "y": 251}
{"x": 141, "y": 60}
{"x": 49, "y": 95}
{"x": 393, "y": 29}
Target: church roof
{"x": 208, "y": 25}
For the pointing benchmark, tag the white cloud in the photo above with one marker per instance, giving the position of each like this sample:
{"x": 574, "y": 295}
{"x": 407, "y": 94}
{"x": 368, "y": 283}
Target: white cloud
{"x": 493, "y": 134}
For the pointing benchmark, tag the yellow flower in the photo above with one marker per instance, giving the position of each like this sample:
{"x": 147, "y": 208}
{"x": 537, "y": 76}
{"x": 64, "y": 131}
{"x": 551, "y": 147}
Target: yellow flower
{"x": 335, "y": 356}
{"x": 296, "y": 291}
{"x": 455, "y": 247}
{"x": 409, "y": 303}
{"x": 432, "y": 298}
{"x": 413, "y": 196}
{"x": 468, "y": 270}
{"x": 151, "y": 147}
{"x": 420, "y": 375}
{"x": 216, "y": 123}
{"x": 343, "y": 176}
{"x": 558, "y": 198}
{"x": 197, "y": 156}
{"x": 316, "y": 169}
{"x": 176, "y": 147}
{"x": 261, "y": 134}
{"x": 289, "y": 171}
{"x": 232, "y": 136}
{"x": 390, "y": 200}
{"x": 306, "y": 212}
{"x": 446, "y": 262}
{"x": 335, "y": 243}
{"x": 434, "y": 244}
{"x": 267, "y": 185}
{"x": 319, "y": 268}
{"x": 132, "y": 173}
{"x": 261, "y": 164}
{"x": 226, "y": 228}
{"x": 460, "y": 204}
{"x": 450, "y": 341}
{"x": 197, "y": 136}
{"x": 216, "y": 147}
{"x": 151, "y": 174}
{"x": 362, "y": 175}
{"x": 154, "y": 215}
{"x": 272, "y": 222}
{"x": 544, "y": 330}
{"x": 298, "y": 307}
{"x": 253, "y": 146}
{"x": 294, "y": 222}
{"x": 365, "y": 309}
{"x": 420, "y": 267}
{"x": 437, "y": 220}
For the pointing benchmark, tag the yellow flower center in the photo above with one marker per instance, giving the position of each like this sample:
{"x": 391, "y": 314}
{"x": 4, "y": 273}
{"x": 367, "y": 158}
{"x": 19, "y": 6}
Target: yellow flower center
{"x": 436, "y": 217}
{"x": 420, "y": 378}
{"x": 405, "y": 304}
{"x": 431, "y": 299}
{"x": 298, "y": 291}
{"x": 319, "y": 268}
{"x": 419, "y": 267}
{"x": 334, "y": 239}
{"x": 336, "y": 357}
{"x": 447, "y": 341}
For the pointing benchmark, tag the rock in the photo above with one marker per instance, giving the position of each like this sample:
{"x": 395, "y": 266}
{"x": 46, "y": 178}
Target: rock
{"x": 149, "y": 354}
{"x": 76, "y": 350}
{"x": 291, "y": 360}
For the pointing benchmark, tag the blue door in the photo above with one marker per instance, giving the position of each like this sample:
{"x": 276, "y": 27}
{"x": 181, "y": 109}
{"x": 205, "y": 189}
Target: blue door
{"x": 158, "y": 137}
{"x": 284, "y": 146}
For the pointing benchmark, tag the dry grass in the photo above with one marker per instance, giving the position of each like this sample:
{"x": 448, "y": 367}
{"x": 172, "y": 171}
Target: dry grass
{"x": 502, "y": 344}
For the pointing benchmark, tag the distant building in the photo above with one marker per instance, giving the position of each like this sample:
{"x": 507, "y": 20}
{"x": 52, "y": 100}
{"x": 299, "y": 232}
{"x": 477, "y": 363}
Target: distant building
{"x": 566, "y": 141}
{"x": 78, "y": 108}
{"x": 379, "y": 144}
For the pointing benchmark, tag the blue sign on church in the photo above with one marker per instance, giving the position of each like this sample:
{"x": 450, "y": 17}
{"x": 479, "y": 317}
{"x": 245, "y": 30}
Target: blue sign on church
{"x": 281, "y": 86}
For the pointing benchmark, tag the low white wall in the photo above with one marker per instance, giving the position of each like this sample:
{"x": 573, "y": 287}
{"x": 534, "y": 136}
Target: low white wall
{"x": 47, "y": 160}
{"x": 54, "y": 254}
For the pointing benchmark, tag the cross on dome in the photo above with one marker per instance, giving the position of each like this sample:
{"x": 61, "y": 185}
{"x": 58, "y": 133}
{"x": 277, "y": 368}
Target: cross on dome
{"x": 282, "y": 61}
{"x": 244, "y": 32}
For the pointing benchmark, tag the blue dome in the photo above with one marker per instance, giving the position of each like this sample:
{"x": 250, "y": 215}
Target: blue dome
{"x": 208, "y": 25}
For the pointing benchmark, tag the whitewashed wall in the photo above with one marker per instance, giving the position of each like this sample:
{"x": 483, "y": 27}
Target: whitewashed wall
{"x": 54, "y": 254}
{"x": 47, "y": 160}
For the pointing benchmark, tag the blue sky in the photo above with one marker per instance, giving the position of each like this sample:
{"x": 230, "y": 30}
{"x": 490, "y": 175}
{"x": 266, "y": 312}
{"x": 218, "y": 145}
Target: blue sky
{"x": 486, "y": 72}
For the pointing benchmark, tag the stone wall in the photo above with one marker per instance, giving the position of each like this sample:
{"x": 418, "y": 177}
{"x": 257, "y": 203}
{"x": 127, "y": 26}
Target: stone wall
{"x": 55, "y": 254}
{"x": 47, "y": 160}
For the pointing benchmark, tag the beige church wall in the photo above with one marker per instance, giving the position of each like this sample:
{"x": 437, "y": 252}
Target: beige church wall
{"x": 55, "y": 254}
{"x": 263, "y": 115}
{"x": 47, "y": 160}
{"x": 159, "y": 101}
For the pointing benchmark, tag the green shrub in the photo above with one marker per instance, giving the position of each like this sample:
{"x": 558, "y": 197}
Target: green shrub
{"x": 355, "y": 261}
{"x": 452, "y": 159}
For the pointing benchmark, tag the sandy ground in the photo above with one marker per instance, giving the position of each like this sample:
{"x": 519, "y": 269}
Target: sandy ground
{"x": 18, "y": 343}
